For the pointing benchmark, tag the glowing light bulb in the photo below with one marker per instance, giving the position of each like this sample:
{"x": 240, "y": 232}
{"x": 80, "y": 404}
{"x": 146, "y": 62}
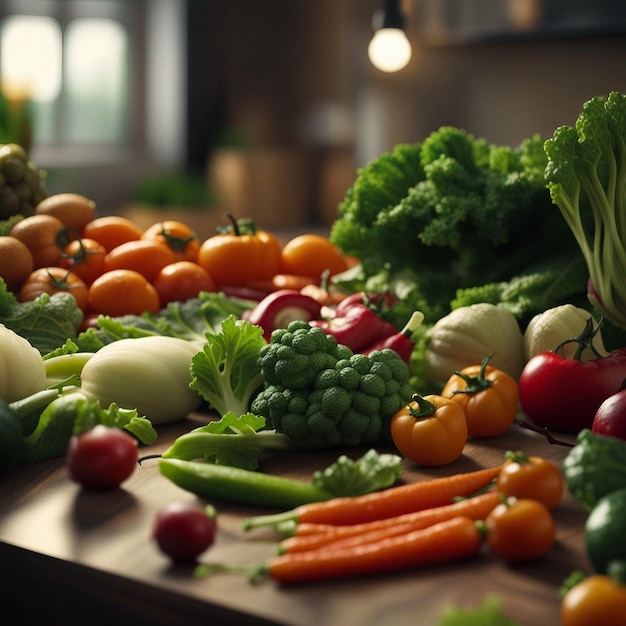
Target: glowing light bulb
{"x": 389, "y": 50}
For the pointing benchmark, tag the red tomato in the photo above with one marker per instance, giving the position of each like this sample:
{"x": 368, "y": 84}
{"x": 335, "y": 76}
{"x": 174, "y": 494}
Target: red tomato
{"x": 180, "y": 281}
{"x": 547, "y": 383}
{"x": 102, "y": 457}
{"x": 184, "y": 531}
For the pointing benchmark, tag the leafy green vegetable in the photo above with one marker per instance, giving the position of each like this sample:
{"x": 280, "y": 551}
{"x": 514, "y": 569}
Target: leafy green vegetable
{"x": 226, "y": 373}
{"x": 450, "y": 213}
{"x": 73, "y": 413}
{"x": 189, "y": 320}
{"x": 586, "y": 175}
{"x": 533, "y": 292}
{"x": 370, "y": 472}
{"x": 47, "y": 321}
{"x": 595, "y": 467}
{"x": 488, "y": 613}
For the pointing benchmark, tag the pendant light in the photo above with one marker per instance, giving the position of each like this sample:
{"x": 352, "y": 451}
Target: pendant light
{"x": 389, "y": 50}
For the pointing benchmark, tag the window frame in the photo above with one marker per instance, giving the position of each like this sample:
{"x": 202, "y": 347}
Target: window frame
{"x": 132, "y": 16}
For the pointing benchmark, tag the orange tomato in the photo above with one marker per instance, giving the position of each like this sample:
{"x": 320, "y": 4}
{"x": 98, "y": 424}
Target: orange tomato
{"x": 430, "y": 431}
{"x": 177, "y": 236}
{"x": 146, "y": 256}
{"x": 53, "y": 280}
{"x": 85, "y": 257}
{"x": 16, "y": 262}
{"x": 112, "y": 231}
{"x": 123, "y": 292}
{"x": 533, "y": 477}
{"x": 234, "y": 258}
{"x": 488, "y": 397}
{"x": 180, "y": 281}
{"x": 598, "y": 599}
{"x": 311, "y": 255}
{"x": 43, "y": 235}
{"x": 520, "y": 530}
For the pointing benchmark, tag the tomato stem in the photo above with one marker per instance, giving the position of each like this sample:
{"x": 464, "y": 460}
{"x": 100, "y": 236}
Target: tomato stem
{"x": 477, "y": 383}
{"x": 425, "y": 407}
{"x": 584, "y": 340}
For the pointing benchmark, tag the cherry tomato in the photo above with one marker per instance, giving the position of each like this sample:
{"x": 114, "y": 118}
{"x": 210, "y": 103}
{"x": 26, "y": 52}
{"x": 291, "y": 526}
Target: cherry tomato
{"x": 311, "y": 255}
{"x": 112, "y": 231}
{"x": 177, "y": 236}
{"x": 43, "y": 235}
{"x": 180, "y": 281}
{"x": 85, "y": 257}
{"x": 53, "y": 280}
{"x": 184, "y": 531}
{"x": 430, "y": 431}
{"x": 488, "y": 397}
{"x": 598, "y": 600}
{"x": 532, "y": 477}
{"x": 520, "y": 530}
{"x": 146, "y": 256}
{"x": 102, "y": 457}
{"x": 123, "y": 292}
{"x": 234, "y": 258}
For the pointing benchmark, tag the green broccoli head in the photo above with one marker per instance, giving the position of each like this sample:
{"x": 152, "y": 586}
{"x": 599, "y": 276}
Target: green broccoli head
{"x": 348, "y": 404}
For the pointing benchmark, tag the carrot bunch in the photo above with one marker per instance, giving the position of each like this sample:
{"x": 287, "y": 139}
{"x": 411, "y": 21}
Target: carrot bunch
{"x": 403, "y": 527}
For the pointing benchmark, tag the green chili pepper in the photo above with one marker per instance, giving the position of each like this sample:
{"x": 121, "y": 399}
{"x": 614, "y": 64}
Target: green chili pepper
{"x": 240, "y": 486}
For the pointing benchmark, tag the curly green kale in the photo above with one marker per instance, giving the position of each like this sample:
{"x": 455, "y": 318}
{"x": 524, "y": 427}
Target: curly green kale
{"x": 453, "y": 212}
{"x": 321, "y": 399}
{"x": 586, "y": 175}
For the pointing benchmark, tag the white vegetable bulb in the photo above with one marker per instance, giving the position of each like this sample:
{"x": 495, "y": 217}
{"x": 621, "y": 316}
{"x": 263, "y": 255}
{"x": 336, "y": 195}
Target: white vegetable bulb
{"x": 22, "y": 369}
{"x": 150, "y": 374}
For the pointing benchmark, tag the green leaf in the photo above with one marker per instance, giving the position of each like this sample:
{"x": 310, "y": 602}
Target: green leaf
{"x": 486, "y": 614}
{"x": 227, "y": 373}
{"x": 371, "y": 472}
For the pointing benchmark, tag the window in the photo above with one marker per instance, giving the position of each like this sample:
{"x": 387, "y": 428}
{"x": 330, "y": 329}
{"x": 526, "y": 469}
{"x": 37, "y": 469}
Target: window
{"x": 71, "y": 60}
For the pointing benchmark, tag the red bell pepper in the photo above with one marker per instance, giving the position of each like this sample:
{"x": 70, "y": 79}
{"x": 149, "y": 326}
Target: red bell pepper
{"x": 281, "y": 307}
{"x": 402, "y": 341}
{"x": 356, "y": 327}
{"x": 377, "y": 302}
{"x": 563, "y": 394}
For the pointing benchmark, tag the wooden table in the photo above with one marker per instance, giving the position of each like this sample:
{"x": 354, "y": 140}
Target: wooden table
{"x": 72, "y": 557}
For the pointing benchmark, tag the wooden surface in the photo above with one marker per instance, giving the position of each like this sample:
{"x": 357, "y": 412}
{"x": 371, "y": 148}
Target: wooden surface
{"x": 68, "y": 556}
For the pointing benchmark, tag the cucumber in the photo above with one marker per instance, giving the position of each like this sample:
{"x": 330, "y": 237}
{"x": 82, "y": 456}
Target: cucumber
{"x": 605, "y": 531}
{"x": 11, "y": 440}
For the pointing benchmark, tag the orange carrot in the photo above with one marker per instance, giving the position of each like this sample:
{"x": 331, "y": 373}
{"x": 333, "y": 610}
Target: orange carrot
{"x": 389, "y": 502}
{"x": 447, "y": 541}
{"x": 476, "y": 508}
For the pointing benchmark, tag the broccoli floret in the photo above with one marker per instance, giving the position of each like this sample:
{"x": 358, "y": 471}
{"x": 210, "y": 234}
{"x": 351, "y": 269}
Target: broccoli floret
{"x": 348, "y": 402}
{"x": 586, "y": 175}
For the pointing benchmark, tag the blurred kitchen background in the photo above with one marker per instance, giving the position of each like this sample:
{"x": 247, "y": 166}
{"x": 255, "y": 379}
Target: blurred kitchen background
{"x": 266, "y": 108}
